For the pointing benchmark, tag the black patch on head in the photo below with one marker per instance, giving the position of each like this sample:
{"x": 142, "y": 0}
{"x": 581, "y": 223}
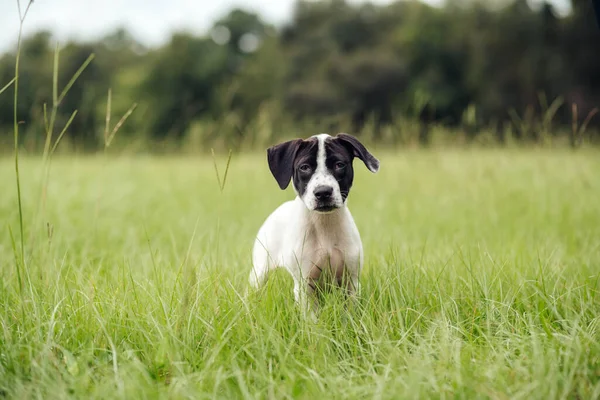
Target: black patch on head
{"x": 338, "y": 161}
{"x": 297, "y": 160}
{"x": 358, "y": 150}
{"x": 281, "y": 161}
{"x": 305, "y": 164}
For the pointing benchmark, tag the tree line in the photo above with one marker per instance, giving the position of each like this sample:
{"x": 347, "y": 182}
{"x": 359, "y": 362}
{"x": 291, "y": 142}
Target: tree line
{"x": 404, "y": 72}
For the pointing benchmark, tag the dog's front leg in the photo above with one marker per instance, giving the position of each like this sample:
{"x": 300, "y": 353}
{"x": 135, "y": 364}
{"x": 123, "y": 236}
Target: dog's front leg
{"x": 305, "y": 296}
{"x": 353, "y": 288}
{"x": 352, "y": 283}
{"x": 258, "y": 276}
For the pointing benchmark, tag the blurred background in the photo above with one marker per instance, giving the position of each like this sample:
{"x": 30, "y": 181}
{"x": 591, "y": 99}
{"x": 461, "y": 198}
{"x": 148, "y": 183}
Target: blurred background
{"x": 246, "y": 74}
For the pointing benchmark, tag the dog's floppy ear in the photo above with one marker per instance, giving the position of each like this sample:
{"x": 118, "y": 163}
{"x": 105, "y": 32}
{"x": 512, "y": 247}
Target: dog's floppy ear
{"x": 358, "y": 150}
{"x": 281, "y": 161}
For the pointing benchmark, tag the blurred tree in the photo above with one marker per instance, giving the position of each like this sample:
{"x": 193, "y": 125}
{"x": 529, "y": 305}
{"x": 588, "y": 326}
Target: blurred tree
{"x": 581, "y": 49}
{"x": 374, "y": 80}
{"x": 35, "y": 83}
{"x": 241, "y": 31}
{"x": 258, "y": 82}
{"x": 335, "y": 64}
{"x": 186, "y": 75}
{"x": 85, "y": 96}
{"x": 181, "y": 83}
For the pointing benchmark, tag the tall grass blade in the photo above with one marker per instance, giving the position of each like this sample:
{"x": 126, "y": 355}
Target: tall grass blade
{"x": 63, "y": 131}
{"x": 7, "y": 85}
{"x": 16, "y": 127}
{"x": 226, "y": 170}
{"x": 74, "y": 78}
{"x": 46, "y": 123}
{"x": 587, "y": 120}
{"x": 551, "y": 111}
{"x": 120, "y": 123}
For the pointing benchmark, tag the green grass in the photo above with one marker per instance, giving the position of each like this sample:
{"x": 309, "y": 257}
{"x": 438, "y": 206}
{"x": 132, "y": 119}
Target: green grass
{"x": 480, "y": 281}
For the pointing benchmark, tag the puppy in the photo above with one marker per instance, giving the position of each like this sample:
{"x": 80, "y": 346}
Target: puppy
{"x": 314, "y": 236}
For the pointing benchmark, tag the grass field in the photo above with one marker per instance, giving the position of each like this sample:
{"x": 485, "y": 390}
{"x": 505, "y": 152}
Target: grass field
{"x": 480, "y": 281}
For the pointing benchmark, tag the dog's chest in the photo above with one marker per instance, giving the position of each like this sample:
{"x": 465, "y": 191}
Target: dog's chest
{"x": 327, "y": 231}
{"x": 329, "y": 246}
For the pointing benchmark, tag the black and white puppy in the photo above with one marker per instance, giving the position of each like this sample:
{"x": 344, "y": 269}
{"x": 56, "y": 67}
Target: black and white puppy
{"x": 314, "y": 233}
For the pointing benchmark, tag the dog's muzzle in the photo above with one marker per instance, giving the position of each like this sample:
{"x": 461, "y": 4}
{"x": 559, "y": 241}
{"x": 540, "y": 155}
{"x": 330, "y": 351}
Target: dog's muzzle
{"x": 324, "y": 196}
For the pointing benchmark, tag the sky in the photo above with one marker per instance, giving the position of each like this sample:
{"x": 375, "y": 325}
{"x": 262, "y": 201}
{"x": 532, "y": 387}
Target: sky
{"x": 150, "y": 21}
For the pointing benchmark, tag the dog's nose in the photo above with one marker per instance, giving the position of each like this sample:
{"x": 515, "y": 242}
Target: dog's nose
{"x": 323, "y": 192}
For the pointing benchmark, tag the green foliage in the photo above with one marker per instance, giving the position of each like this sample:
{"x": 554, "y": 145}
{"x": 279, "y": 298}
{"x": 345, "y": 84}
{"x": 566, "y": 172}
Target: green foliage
{"x": 371, "y": 70}
{"x": 481, "y": 281}
{"x": 182, "y": 77}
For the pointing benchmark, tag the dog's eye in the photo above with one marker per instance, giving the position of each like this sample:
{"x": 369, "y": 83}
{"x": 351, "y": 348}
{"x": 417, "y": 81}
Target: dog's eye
{"x": 340, "y": 165}
{"x": 304, "y": 168}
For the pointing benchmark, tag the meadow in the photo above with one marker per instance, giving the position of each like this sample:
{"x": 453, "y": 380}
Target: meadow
{"x": 480, "y": 281}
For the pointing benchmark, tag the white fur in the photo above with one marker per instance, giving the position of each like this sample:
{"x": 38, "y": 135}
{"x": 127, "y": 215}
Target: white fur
{"x": 321, "y": 176}
{"x": 297, "y": 238}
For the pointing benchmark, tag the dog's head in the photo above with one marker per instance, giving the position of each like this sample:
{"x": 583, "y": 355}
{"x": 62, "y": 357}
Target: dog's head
{"x": 320, "y": 168}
